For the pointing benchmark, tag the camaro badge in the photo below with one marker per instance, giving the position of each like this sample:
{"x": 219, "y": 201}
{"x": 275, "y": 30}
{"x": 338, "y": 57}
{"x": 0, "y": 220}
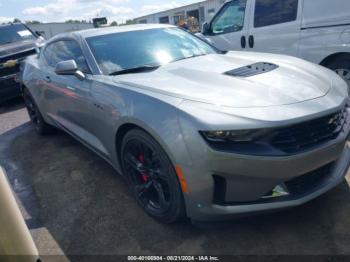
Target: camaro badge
{"x": 10, "y": 63}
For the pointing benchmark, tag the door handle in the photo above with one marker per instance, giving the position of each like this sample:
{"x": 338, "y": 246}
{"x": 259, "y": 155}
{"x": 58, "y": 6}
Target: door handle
{"x": 48, "y": 79}
{"x": 251, "y": 41}
{"x": 243, "y": 42}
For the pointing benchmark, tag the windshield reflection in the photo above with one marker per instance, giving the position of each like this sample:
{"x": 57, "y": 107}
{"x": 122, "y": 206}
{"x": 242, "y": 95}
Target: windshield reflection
{"x": 126, "y": 50}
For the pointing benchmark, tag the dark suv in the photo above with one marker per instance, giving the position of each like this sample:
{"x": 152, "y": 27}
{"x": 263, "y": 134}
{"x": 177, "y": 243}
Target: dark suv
{"x": 16, "y": 43}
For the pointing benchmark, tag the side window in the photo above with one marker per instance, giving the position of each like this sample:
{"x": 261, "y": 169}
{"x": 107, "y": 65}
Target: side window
{"x": 230, "y": 18}
{"x": 67, "y": 50}
{"x": 272, "y": 12}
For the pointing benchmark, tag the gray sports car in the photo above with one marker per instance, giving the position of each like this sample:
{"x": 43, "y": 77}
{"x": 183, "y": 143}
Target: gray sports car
{"x": 195, "y": 131}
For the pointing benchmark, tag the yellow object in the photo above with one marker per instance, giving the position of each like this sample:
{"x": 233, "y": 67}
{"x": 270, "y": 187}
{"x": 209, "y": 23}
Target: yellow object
{"x": 10, "y": 63}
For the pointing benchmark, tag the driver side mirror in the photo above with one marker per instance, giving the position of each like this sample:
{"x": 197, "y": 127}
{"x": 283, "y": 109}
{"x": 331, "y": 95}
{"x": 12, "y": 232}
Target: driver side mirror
{"x": 69, "y": 67}
{"x": 205, "y": 28}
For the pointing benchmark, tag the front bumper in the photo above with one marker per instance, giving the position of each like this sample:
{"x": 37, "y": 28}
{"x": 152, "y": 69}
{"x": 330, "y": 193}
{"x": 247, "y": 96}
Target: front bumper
{"x": 249, "y": 179}
{"x": 9, "y": 88}
{"x": 336, "y": 177}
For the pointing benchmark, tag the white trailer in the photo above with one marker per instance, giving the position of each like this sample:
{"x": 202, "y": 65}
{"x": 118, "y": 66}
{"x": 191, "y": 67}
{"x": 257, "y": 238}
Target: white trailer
{"x": 203, "y": 11}
{"x": 48, "y": 30}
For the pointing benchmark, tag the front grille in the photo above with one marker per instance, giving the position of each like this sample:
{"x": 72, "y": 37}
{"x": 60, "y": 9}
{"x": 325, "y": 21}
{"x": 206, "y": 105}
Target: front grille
{"x": 310, "y": 181}
{"x": 8, "y": 83}
{"x": 6, "y": 71}
{"x": 9, "y": 71}
{"x": 306, "y": 135}
{"x": 19, "y": 56}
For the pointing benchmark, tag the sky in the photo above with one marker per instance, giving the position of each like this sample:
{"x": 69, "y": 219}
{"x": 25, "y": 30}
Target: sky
{"x": 62, "y": 10}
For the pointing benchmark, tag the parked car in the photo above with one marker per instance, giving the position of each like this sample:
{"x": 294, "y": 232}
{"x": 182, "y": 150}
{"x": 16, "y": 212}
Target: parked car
{"x": 194, "y": 131}
{"x": 16, "y": 43}
{"x": 318, "y": 31}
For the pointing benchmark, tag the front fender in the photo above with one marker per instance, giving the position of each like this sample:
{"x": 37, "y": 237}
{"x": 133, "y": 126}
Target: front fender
{"x": 161, "y": 120}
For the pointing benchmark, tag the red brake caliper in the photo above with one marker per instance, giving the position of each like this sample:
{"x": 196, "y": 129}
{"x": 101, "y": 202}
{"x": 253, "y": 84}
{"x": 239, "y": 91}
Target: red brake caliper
{"x": 144, "y": 176}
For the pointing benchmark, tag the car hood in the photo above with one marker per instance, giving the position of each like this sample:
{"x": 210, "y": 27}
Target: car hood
{"x": 203, "y": 79}
{"x": 16, "y": 47}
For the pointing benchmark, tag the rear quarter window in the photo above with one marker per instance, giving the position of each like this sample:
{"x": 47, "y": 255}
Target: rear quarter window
{"x": 272, "y": 12}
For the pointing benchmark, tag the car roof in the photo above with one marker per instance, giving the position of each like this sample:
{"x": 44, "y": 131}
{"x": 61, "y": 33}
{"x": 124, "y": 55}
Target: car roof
{"x": 109, "y": 30}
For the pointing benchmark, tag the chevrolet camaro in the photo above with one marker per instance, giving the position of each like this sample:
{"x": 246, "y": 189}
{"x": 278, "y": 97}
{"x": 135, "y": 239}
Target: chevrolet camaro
{"x": 195, "y": 132}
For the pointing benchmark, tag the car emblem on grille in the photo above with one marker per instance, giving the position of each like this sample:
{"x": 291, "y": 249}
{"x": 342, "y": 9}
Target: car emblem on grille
{"x": 10, "y": 63}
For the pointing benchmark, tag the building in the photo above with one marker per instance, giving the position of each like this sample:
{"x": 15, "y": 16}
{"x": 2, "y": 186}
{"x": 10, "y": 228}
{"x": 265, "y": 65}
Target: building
{"x": 48, "y": 30}
{"x": 196, "y": 13}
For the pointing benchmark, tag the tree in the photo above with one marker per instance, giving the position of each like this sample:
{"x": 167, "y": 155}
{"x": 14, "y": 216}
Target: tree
{"x": 129, "y": 22}
{"x": 114, "y": 23}
{"x": 16, "y": 20}
{"x": 33, "y": 22}
{"x": 73, "y": 21}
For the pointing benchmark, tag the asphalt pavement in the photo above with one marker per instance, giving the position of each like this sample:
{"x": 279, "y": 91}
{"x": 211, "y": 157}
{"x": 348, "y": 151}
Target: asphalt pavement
{"x": 76, "y": 204}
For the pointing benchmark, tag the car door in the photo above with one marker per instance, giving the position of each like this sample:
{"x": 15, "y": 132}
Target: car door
{"x": 41, "y": 83}
{"x": 230, "y": 25}
{"x": 275, "y": 26}
{"x": 70, "y": 100}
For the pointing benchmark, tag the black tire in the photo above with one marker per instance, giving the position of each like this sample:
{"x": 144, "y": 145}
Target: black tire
{"x": 35, "y": 116}
{"x": 152, "y": 177}
{"x": 342, "y": 67}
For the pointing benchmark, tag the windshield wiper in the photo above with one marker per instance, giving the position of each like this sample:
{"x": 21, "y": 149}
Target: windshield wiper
{"x": 139, "y": 69}
{"x": 187, "y": 57}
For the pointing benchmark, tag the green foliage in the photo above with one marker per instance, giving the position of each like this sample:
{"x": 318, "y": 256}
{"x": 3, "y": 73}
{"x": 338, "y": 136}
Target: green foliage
{"x": 129, "y": 22}
{"x": 73, "y": 21}
{"x": 32, "y": 22}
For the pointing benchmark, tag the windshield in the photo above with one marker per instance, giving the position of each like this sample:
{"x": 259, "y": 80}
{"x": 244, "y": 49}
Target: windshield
{"x": 14, "y": 33}
{"x": 152, "y": 47}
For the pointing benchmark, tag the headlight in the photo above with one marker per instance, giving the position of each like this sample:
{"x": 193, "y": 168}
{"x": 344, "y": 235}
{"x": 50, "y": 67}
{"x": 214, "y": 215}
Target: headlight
{"x": 232, "y": 136}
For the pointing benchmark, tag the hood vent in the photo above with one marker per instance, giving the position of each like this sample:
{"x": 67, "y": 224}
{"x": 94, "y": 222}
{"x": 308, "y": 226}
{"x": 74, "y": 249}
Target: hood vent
{"x": 251, "y": 70}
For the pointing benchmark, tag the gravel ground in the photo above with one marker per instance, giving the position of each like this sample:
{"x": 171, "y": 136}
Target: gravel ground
{"x": 75, "y": 204}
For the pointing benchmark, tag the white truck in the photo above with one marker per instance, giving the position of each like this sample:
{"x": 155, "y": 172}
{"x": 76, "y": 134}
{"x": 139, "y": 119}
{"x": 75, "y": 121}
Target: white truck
{"x": 315, "y": 30}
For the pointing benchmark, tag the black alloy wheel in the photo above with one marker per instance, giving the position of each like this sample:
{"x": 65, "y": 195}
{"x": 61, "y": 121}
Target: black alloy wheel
{"x": 344, "y": 73}
{"x": 342, "y": 67}
{"x": 152, "y": 177}
{"x": 34, "y": 114}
